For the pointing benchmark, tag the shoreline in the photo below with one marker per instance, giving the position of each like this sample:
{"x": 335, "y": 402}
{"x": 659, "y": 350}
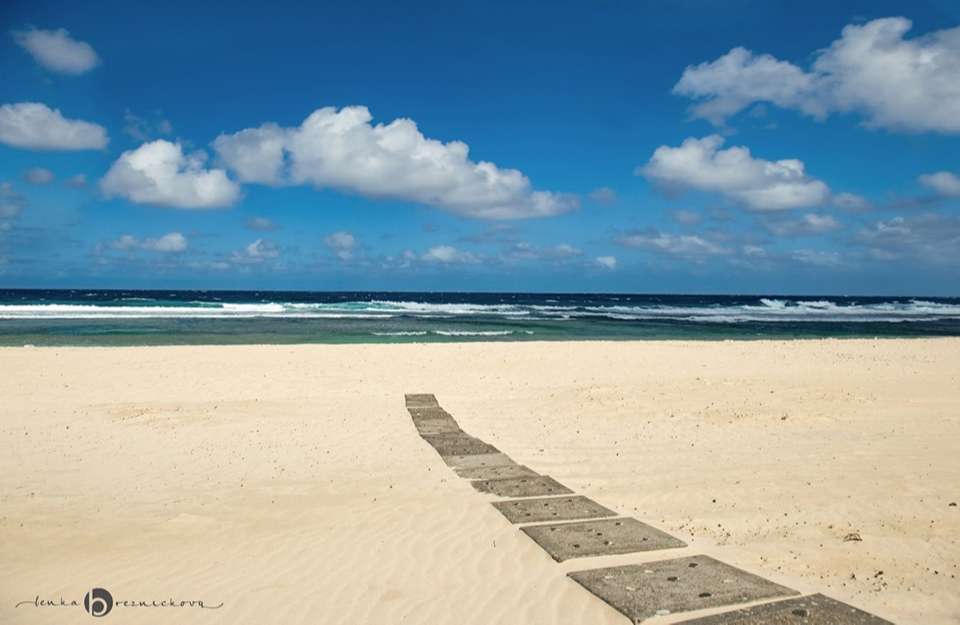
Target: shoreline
{"x": 487, "y": 341}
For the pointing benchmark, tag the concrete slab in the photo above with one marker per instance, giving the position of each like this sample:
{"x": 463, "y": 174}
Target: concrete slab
{"x": 606, "y": 537}
{"x": 430, "y": 427}
{"x": 640, "y": 591}
{"x": 522, "y": 487}
{"x": 420, "y": 399}
{"x": 812, "y": 610}
{"x": 496, "y": 472}
{"x": 432, "y": 412}
{"x": 474, "y": 461}
{"x": 552, "y": 509}
{"x": 459, "y": 444}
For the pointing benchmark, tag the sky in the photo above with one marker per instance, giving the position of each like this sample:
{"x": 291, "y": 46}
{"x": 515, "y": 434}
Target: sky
{"x": 647, "y": 147}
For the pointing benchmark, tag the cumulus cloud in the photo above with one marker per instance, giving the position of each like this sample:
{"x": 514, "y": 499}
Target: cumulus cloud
{"x": 258, "y": 252}
{"x": 607, "y": 262}
{"x": 341, "y": 243}
{"x": 38, "y": 175}
{"x": 342, "y": 149}
{"x": 944, "y": 183}
{"x": 604, "y": 195}
{"x": 261, "y": 224}
{"x": 682, "y": 245}
{"x": 262, "y": 249}
{"x": 35, "y": 126}
{"x": 57, "y": 51}
{"x": 447, "y": 254}
{"x": 524, "y": 251}
{"x": 929, "y": 237}
{"x": 159, "y": 173}
{"x": 895, "y": 83}
{"x": 809, "y": 224}
{"x": 169, "y": 243}
{"x": 758, "y": 184}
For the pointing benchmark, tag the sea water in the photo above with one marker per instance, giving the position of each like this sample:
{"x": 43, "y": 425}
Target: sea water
{"x": 116, "y": 317}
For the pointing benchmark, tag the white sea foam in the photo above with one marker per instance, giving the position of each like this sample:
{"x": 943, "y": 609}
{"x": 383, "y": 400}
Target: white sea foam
{"x": 767, "y": 310}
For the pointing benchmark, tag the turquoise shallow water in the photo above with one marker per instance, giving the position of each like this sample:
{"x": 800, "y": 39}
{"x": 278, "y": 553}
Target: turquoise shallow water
{"x": 94, "y": 317}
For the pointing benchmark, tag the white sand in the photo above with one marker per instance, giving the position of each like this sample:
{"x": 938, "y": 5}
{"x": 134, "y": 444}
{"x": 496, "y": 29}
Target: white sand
{"x": 289, "y": 483}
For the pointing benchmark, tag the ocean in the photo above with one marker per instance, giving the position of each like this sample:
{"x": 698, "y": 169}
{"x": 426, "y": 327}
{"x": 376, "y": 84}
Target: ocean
{"x": 117, "y": 317}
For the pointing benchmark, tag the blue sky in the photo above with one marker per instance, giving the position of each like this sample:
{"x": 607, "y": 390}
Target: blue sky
{"x": 642, "y": 147}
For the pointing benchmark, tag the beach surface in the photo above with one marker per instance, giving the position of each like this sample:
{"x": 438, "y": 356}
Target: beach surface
{"x": 288, "y": 483}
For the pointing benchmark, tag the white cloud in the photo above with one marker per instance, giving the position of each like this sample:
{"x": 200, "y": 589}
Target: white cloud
{"x": 171, "y": 242}
{"x": 261, "y": 224}
{"x": 604, "y": 195}
{"x": 77, "y": 181}
{"x": 159, "y": 173}
{"x": 125, "y": 242}
{"x": 343, "y": 150}
{"x": 11, "y": 202}
{"x": 758, "y": 184}
{"x": 607, "y": 262}
{"x": 447, "y": 254}
{"x": 35, "y": 126}
{"x": 944, "y": 183}
{"x": 341, "y": 243}
{"x": 257, "y": 154}
{"x": 524, "y": 251}
{"x": 142, "y": 129}
{"x": 851, "y": 202}
{"x": 38, "y": 175}
{"x": 565, "y": 249}
{"x": 811, "y": 223}
{"x": 57, "y": 51}
{"x": 262, "y": 249}
{"x": 256, "y": 253}
{"x": 687, "y": 217}
{"x": 819, "y": 258}
{"x": 929, "y": 237}
{"x": 895, "y": 83}
{"x": 683, "y": 245}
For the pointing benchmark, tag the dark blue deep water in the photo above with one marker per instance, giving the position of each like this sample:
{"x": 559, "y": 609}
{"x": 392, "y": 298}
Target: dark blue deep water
{"x": 94, "y": 317}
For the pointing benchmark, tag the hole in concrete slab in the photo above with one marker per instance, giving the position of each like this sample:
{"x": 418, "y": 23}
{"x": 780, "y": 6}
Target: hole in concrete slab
{"x": 576, "y": 546}
{"x": 672, "y": 578}
{"x": 705, "y": 594}
{"x": 799, "y": 612}
{"x": 607, "y": 542}
{"x": 618, "y": 523}
{"x": 692, "y": 565}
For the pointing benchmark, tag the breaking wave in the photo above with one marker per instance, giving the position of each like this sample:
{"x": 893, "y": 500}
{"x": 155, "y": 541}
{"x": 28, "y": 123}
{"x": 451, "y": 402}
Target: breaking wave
{"x": 755, "y": 310}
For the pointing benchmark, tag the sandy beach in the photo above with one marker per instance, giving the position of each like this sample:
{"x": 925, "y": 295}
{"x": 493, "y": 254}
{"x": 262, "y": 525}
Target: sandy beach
{"x": 289, "y": 485}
